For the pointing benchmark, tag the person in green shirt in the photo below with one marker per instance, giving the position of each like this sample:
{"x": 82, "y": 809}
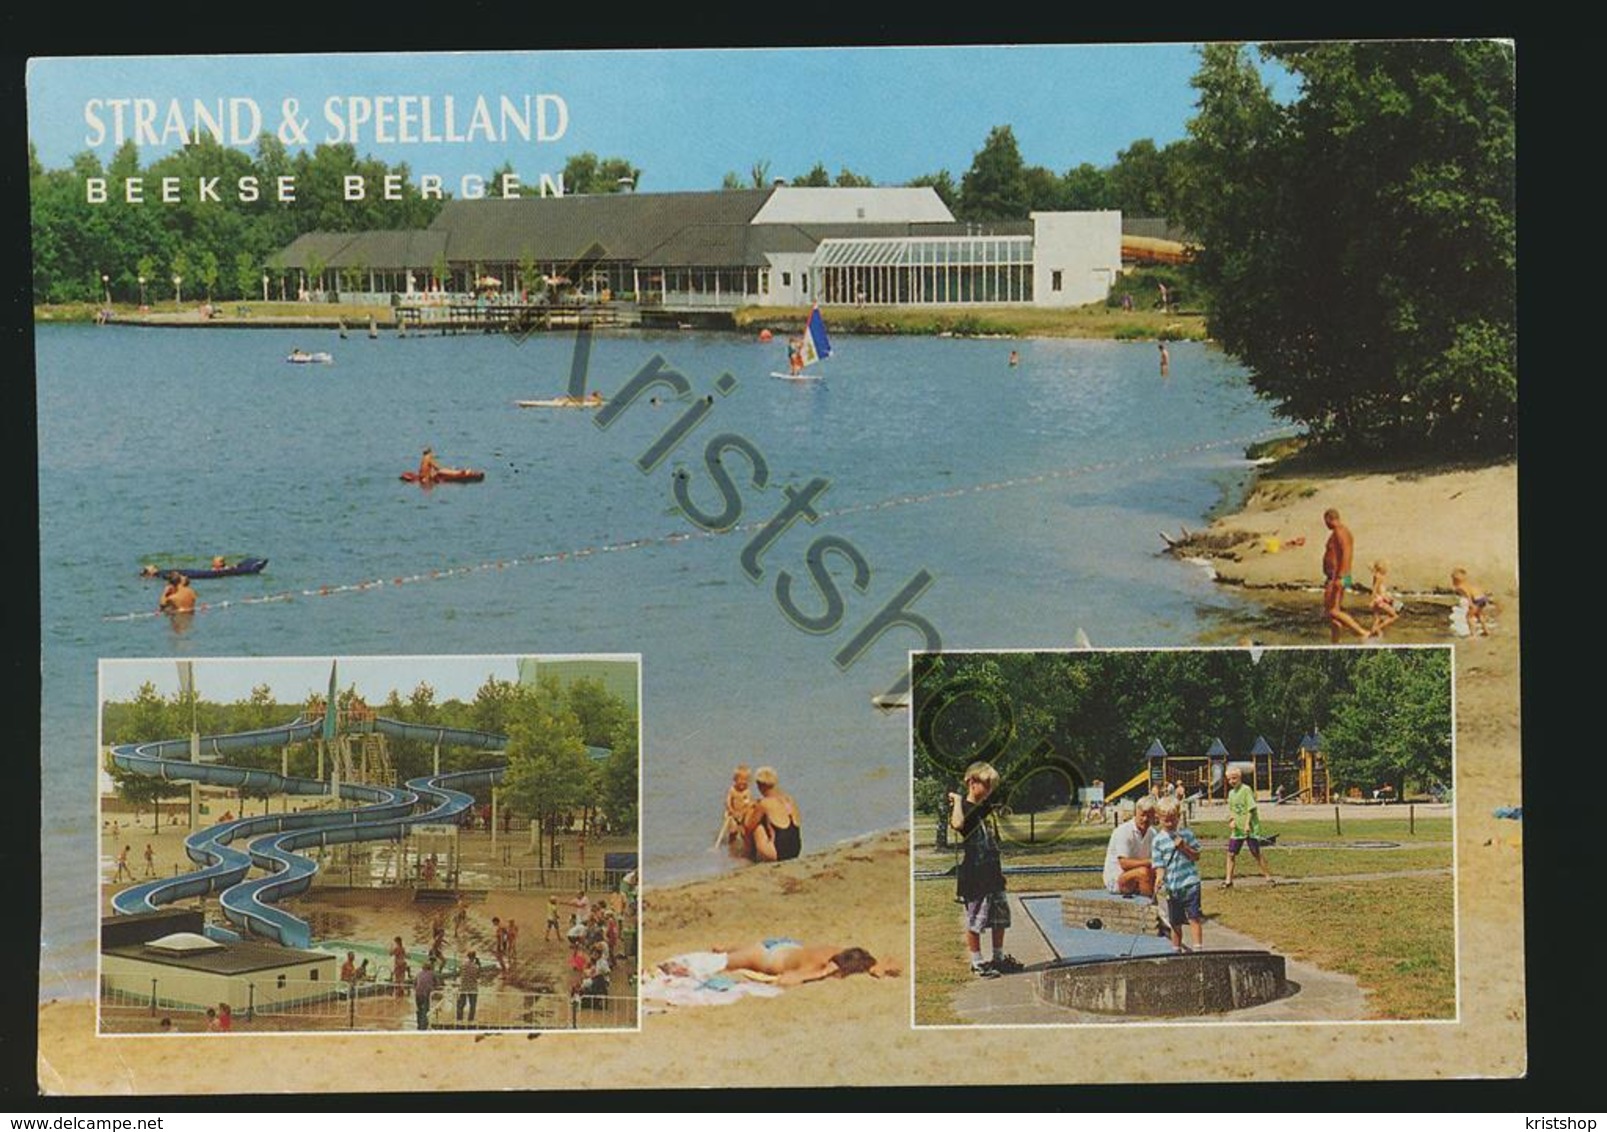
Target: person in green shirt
{"x": 1244, "y": 826}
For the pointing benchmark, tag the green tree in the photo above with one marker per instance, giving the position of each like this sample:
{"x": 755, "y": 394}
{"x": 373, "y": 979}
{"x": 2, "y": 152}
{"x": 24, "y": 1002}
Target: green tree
{"x": 995, "y": 187}
{"x": 1045, "y": 191}
{"x": 493, "y": 701}
{"x": 548, "y": 768}
{"x": 601, "y": 713}
{"x": 1394, "y": 726}
{"x": 148, "y": 717}
{"x": 246, "y": 275}
{"x": 816, "y": 178}
{"x": 586, "y": 173}
{"x": 1359, "y": 244}
{"x": 1086, "y": 188}
{"x": 1145, "y": 180}
{"x": 619, "y": 785}
{"x": 207, "y": 271}
{"x": 315, "y": 271}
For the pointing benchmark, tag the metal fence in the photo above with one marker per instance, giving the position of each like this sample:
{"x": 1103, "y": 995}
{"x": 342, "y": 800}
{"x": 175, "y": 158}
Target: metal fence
{"x": 514, "y": 878}
{"x": 294, "y": 1005}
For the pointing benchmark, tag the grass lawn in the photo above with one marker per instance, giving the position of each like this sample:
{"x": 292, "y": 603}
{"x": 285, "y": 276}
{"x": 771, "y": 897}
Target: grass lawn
{"x": 1395, "y": 935}
{"x": 1093, "y": 321}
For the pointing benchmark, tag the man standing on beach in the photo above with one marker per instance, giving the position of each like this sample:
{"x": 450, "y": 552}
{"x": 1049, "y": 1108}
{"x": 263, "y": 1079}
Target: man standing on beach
{"x": 1336, "y": 561}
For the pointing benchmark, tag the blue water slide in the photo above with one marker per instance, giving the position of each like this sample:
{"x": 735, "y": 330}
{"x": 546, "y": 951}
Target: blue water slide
{"x": 274, "y": 838}
{"x": 250, "y": 905}
{"x": 222, "y": 866}
{"x": 443, "y": 736}
{"x": 459, "y": 737}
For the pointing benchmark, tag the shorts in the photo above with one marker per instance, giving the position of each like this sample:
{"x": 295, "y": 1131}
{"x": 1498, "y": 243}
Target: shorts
{"x": 1235, "y": 843}
{"x": 1185, "y": 907}
{"x": 987, "y": 912}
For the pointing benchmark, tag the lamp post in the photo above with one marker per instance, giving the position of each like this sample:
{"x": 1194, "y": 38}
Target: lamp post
{"x": 264, "y": 286}
{"x": 178, "y": 293}
{"x": 106, "y": 286}
{"x": 142, "y": 290}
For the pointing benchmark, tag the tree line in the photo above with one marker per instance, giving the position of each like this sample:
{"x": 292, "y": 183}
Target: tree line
{"x": 1384, "y": 715}
{"x": 1356, "y": 245}
{"x": 549, "y": 728}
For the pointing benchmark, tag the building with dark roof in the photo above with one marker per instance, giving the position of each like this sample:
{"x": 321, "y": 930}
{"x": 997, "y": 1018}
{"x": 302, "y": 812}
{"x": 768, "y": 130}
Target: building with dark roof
{"x": 781, "y": 246}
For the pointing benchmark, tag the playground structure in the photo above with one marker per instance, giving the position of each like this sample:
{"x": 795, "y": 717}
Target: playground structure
{"x": 1299, "y": 776}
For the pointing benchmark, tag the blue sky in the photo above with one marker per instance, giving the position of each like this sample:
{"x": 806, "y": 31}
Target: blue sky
{"x": 294, "y": 678}
{"x": 684, "y": 117}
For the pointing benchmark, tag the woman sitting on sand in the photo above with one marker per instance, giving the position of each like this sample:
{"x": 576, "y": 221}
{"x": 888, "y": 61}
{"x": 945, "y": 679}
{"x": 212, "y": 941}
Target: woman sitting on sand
{"x": 789, "y": 962}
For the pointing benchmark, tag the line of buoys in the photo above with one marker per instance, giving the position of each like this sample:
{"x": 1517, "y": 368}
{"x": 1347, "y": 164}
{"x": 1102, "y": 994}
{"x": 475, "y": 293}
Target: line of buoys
{"x": 681, "y": 536}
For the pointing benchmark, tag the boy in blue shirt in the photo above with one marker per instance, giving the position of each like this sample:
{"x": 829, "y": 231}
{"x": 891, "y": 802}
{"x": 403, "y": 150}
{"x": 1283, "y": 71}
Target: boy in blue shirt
{"x": 1176, "y": 852}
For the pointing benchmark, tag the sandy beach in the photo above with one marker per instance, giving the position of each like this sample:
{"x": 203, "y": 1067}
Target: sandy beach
{"x": 857, "y": 1031}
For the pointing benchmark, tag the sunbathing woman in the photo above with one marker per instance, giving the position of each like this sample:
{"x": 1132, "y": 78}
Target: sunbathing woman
{"x": 790, "y": 962}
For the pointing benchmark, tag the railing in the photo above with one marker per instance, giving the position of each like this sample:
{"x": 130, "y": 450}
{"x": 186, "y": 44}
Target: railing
{"x": 518, "y": 878}
{"x": 271, "y": 1004}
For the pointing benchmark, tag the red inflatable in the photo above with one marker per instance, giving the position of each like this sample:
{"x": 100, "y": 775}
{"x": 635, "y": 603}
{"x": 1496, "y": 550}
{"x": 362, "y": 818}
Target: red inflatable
{"x": 449, "y": 475}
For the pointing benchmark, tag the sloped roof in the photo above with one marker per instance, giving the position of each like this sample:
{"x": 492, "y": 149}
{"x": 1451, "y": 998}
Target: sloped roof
{"x": 1156, "y": 751}
{"x": 789, "y": 204}
{"x": 1217, "y": 751}
{"x": 728, "y": 245}
{"x": 309, "y": 245}
{"x": 622, "y": 226}
{"x": 1262, "y": 747}
{"x": 383, "y": 250}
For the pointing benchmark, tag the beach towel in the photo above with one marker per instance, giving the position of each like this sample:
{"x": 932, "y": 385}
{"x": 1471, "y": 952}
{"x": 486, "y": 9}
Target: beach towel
{"x": 700, "y": 979}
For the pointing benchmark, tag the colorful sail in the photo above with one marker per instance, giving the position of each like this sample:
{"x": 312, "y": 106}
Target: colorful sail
{"x": 816, "y": 345}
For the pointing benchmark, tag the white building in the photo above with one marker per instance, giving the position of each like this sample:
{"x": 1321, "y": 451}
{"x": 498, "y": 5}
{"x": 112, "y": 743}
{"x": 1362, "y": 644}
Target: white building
{"x": 781, "y": 246}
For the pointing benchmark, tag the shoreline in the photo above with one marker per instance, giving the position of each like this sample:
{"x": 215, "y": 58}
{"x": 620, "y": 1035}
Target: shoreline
{"x": 1420, "y": 522}
{"x": 858, "y": 1031}
{"x": 1093, "y": 323}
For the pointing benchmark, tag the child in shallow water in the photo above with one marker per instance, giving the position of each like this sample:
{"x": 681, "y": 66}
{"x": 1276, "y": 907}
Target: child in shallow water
{"x": 737, "y": 803}
{"x": 1386, "y": 610}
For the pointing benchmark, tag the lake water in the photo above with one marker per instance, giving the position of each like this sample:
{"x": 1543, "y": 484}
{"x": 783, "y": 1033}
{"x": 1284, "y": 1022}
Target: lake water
{"x": 1032, "y": 496}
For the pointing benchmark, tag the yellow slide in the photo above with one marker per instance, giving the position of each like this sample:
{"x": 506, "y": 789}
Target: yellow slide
{"x": 1137, "y": 780}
